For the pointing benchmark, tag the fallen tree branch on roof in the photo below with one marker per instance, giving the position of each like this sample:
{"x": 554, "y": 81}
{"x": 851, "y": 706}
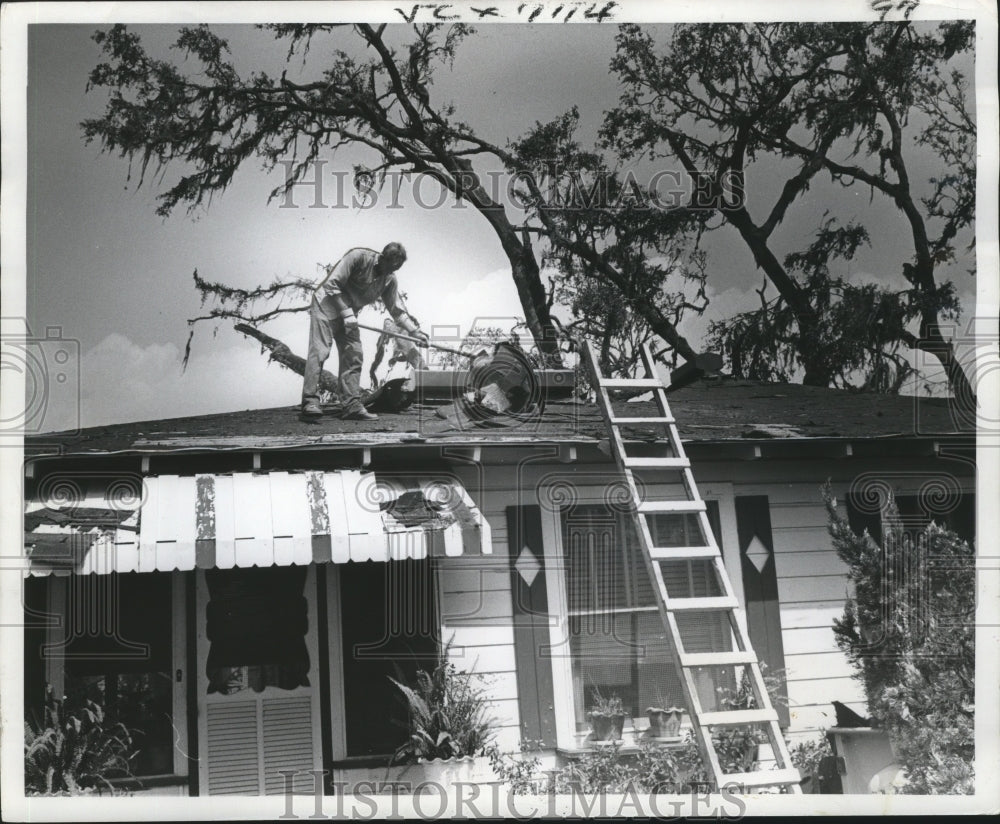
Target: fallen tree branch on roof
{"x": 282, "y": 354}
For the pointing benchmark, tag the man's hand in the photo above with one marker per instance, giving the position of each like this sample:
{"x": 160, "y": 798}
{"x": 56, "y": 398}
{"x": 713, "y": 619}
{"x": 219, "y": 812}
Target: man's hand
{"x": 350, "y": 321}
{"x": 422, "y": 339}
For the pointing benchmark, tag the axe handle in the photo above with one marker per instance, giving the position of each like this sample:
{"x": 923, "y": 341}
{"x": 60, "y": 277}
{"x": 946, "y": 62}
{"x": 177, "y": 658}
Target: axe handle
{"x": 417, "y": 341}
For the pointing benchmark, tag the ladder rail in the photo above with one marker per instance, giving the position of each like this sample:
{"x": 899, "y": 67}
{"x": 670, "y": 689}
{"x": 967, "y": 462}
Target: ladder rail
{"x": 643, "y": 507}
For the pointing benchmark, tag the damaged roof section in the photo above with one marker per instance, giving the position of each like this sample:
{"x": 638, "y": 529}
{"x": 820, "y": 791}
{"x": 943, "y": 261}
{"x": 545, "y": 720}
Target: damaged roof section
{"x": 719, "y": 411}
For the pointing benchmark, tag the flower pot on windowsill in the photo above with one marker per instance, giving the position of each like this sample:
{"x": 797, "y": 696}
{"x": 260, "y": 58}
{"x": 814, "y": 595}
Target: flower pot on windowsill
{"x": 606, "y": 727}
{"x": 443, "y": 773}
{"x": 664, "y": 723}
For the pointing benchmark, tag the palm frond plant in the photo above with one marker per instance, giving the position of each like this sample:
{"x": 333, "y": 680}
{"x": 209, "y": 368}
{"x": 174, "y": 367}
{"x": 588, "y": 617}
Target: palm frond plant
{"x": 448, "y": 714}
{"x": 75, "y": 751}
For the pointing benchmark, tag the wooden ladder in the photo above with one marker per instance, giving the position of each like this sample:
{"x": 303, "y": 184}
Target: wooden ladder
{"x": 785, "y": 775}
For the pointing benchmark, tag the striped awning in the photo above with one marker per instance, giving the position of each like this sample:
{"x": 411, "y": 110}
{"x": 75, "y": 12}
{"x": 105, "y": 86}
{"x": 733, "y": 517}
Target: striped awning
{"x": 248, "y": 519}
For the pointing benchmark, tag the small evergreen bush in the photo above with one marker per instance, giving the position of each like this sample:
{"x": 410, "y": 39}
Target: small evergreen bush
{"x": 910, "y": 631}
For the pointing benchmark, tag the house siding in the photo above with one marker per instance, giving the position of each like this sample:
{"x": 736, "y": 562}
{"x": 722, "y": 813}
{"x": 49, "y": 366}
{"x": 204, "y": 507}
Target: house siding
{"x": 477, "y": 617}
{"x": 475, "y": 600}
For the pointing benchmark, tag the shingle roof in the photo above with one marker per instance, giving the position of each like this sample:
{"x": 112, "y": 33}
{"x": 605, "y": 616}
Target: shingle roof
{"x": 720, "y": 411}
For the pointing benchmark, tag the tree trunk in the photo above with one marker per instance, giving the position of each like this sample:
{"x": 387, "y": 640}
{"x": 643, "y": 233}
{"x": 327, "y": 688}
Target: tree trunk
{"x": 963, "y": 395}
{"x": 280, "y": 353}
{"x": 527, "y": 277}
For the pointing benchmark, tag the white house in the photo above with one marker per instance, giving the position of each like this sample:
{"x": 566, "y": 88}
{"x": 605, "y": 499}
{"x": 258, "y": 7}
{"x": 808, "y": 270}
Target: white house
{"x": 240, "y": 586}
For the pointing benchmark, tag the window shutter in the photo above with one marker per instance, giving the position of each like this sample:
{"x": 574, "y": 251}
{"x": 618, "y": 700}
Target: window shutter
{"x": 531, "y": 629}
{"x": 760, "y": 587}
{"x": 250, "y": 741}
{"x": 288, "y": 743}
{"x": 233, "y": 754}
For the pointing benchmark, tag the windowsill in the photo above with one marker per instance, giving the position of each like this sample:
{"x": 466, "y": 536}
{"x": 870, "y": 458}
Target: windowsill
{"x": 628, "y": 747}
{"x": 142, "y": 782}
{"x": 631, "y": 741}
{"x": 355, "y": 761}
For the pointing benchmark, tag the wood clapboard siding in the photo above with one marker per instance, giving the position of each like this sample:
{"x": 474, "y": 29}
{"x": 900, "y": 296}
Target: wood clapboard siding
{"x": 810, "y": 564}
{"x": 809, "y": 639}
{"x": 486, "y": 606}
{"x": 804, "y": 666}
{"x": 811, "y": 614}
{"x": 476, "y": 618}
{"x": 801, "y": 539}
{"x": 812, "y": 588}
{"x": 808, "y": 589}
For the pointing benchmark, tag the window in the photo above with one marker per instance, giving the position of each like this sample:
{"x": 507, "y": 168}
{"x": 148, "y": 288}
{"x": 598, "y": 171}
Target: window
{"x": 916, "y": 512}
{"x": 389, "y": 629}
{"x": 617, "y": 639}
{"x": 256, "y": 620}
{"x": 118, "y": 654}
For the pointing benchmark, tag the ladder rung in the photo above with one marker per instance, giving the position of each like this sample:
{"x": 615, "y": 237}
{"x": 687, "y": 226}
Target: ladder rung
{"x": 734, "y": 718}
{"x": 656, "y": 463}
{"x": 717, "y": 659}
{"x": 714, "y": 604}
{"x": 682, "y": 553}
{"x": 624, "y": 421}
{"x": 671, "y": 506}
{"x": 631, "y": 383}
{"x": 762, "y": 778}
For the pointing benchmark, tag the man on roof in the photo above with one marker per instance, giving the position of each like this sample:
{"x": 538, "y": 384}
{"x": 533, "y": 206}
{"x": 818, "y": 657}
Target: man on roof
{"x": 360, "y": 277}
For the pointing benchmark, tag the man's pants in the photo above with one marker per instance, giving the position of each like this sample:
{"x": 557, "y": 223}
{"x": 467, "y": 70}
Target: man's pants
{"x": 325, "y": 327}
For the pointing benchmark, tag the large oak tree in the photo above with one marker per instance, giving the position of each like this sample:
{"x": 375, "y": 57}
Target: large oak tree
{"x": 210, "y": 121}
{"x": 818, "y": 104}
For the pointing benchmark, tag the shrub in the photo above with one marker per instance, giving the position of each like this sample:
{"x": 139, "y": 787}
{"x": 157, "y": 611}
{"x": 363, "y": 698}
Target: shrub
{"x": 910, "y": 632}
{"x": 73, "y": 751}
{"x": 447, "y": 714}
{"x": 806, "y": 757}
{"x": 653, "y": 768}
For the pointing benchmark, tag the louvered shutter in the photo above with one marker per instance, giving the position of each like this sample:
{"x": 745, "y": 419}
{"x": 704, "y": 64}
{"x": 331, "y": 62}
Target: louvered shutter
{"x": 288, "y": 743}
{"x": 233, "y": 751}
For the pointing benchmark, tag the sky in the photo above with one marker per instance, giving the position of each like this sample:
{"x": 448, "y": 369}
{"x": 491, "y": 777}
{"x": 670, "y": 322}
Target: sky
{"x": 116, "y": 278}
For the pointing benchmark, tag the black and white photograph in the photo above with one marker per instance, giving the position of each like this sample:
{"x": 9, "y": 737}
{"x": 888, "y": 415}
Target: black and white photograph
{"x": 536, "y": 409}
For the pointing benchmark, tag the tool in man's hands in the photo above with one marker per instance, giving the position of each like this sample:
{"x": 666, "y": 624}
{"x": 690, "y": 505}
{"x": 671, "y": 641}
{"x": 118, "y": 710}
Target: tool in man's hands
{"x": 423, "y": 342}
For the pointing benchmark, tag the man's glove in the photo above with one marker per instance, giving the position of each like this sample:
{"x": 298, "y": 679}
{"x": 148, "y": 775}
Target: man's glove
{"x": 424, "y": 341}
{"x": 350, "y": 321}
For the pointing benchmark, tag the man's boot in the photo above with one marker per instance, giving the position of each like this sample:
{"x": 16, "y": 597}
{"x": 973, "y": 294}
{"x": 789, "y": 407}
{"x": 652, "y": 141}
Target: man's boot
{"x": 361, "y": 414}
{"x": 311, "y": 409}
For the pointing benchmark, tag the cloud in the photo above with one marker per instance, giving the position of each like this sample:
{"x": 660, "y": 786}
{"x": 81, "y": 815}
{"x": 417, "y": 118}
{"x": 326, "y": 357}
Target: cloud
{"x": 124, "y": 381}
{"x": 490, "y": 300}
{"x": 721, "y": 305}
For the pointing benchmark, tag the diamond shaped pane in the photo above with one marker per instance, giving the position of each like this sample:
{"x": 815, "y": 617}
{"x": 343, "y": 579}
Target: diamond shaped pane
{"x": 757, "y": 553}
{"x": 527, "y": 565}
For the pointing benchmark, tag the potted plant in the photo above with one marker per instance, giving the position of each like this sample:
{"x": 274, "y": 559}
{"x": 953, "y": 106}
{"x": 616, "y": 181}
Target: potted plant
{"x": 75, "y": 750}
{"x": 607, "y": 717}
{"x": 450, "y": 732}
{"x": 664, "y": 721}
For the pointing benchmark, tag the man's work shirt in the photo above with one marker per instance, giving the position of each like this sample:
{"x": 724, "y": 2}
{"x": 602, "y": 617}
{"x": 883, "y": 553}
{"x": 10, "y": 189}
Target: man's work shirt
{"x": 355, "y": 281}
